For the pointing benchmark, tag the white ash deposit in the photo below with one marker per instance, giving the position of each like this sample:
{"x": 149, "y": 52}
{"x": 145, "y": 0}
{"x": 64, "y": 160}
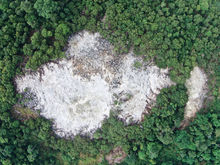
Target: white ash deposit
{"x": 74, "y": 103}
{"x": 138, "y": 88}
{"x": 78, "y": 93}
{"x": 197, "y": 90}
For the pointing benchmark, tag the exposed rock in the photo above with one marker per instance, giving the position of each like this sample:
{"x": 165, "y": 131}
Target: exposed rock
{"x": 78, "y": 92}
{"x": 197, "y": 90}
{"x": 76, "y": 104}
{"x": 138, "y": 88}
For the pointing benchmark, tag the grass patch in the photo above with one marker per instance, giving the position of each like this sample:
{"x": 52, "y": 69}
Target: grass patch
{"x": 137, "y": 64}
{"x": 87, "y": 160}
{"x": 24, "y": 113}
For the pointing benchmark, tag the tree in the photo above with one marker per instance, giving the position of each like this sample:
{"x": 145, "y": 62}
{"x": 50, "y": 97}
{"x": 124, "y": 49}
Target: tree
{"x": 46, "y": 8}
{"x": 4, "y": 5}
{"x": 61, "y": 33}
{"x": 27, "y": 6}
{"x": 153, "y": 150}
{"x": 62, "y": 30}
{"x": 32, "y": 153}
{"x": 204, "y": 4}
{"x": 36, "y": 40}
{"x": 28, "y": 50}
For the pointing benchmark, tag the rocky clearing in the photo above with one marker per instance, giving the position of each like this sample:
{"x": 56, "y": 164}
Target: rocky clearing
{"x": 79, "y": 92}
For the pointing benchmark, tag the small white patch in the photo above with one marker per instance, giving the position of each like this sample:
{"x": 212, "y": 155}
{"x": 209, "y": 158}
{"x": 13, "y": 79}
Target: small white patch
{"x": 79, "y": 92}
{"x": 197, "y": 90}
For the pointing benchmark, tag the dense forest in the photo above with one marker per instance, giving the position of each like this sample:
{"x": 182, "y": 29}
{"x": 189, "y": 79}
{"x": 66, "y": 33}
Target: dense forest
{"x": 178, "y": 34}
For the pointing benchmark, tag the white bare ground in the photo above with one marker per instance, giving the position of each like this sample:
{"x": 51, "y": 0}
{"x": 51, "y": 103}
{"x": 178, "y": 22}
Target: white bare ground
{"x": 74, "y": 103}
{"x": 138, "y": 88}
{"x": 78, "y": 92}
{"x": 197, "y": 90}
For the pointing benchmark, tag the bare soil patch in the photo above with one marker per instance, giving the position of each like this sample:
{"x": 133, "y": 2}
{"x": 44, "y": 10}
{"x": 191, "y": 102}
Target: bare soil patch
{"x": 116, "y": 156}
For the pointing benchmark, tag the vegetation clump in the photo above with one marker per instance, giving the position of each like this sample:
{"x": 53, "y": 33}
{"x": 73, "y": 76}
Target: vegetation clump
{"x": 24, "y": 113}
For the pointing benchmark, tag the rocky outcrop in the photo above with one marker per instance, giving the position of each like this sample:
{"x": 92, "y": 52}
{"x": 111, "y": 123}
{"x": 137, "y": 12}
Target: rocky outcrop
{"x": 197, "y": 90}
{"x": 78, "y": 92}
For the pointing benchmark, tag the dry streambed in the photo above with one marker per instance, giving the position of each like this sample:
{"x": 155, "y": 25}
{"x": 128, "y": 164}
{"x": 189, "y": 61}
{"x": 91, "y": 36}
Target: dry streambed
{"x": 79, "y": 92}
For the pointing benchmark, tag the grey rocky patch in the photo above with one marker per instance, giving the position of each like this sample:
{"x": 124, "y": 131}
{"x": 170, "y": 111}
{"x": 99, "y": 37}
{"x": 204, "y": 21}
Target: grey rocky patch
{"x": 78, "y": 92}
{"x": 197, "y": 89}
{"x": 142, "y": 84}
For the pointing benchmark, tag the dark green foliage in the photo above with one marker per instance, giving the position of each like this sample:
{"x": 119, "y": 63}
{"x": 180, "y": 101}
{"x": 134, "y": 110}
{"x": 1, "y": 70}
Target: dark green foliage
{"x": 46, "y": 8}
{"x": 176, "y": 34}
